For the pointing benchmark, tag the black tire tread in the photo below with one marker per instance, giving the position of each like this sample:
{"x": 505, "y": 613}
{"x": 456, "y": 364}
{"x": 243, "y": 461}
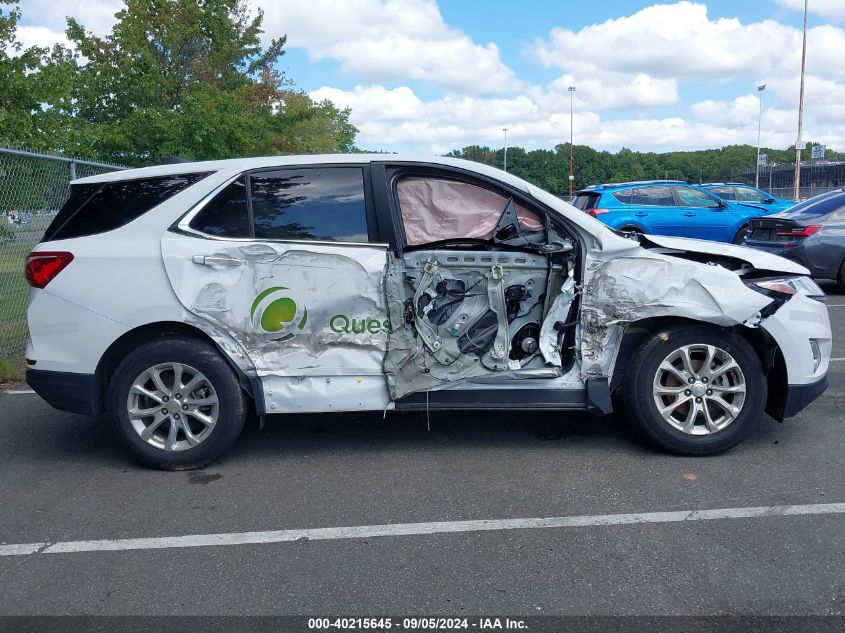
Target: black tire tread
{"x": 637, "y": 390}
{"x": 206, "y": 358}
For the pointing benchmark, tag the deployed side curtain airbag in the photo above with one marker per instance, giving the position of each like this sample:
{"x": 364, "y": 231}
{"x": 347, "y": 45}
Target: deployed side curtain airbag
{"x": 436, "y": 209}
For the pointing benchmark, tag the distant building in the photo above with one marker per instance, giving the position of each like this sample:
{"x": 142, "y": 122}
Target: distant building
{"x": 816, "y": 177}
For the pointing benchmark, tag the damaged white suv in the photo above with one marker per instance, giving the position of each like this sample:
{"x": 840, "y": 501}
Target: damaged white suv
{"x": 178, "y": 298}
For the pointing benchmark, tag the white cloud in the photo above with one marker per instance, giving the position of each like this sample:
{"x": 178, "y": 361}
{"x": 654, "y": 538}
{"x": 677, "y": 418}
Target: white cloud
{"x": 833, "y": 10}
{"x": 398, "y": 117}
{"x": 41, "y": 36}
{"x": 392, "y": 40}
{"x": 616, "y": 91}
{"x": 680, "y": 41}
{"x": 96, "y": 16}
{"x": 740, "y": 112}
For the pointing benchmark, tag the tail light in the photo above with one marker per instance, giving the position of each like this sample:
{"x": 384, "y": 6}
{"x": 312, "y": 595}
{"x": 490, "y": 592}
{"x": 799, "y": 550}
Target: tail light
{"x": 595, "y": 212}
{"x": 805, "y": 231}
{"x": 43, "y": 266}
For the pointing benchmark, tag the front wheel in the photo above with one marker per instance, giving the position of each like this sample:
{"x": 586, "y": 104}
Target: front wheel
{"x": 695, "y": 390}
{"x": 176, "y": 404}
{"x": 740, "y": 235}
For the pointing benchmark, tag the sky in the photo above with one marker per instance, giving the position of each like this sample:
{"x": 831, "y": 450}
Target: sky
{"x": 427, "y": 76}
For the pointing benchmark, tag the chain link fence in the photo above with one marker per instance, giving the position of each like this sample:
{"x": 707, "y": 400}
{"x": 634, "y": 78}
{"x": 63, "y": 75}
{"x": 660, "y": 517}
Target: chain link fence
{"x": 33, "y": 187}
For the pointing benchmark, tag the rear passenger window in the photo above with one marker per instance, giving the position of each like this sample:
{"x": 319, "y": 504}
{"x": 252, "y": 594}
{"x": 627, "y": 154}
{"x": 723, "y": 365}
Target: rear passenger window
{"x": 623, "y": 196}
{"x": 310, "y": 204}
{"x": 226, "y": 214}
{"x": 653, "y": 196}
{"x": 102, "y": 207}
{"x": 726, "y": 193}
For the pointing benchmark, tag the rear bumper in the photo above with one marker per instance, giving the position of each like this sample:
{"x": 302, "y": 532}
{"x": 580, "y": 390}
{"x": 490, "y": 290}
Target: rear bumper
{"x": 799, "y": 396}
{"x": 66, "y": 391}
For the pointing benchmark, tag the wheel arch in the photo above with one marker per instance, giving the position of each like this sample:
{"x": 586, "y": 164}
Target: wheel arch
{"x": 148, "y": 332}
{"x": 632, "y": 225}
{"x": 771, "y": 358}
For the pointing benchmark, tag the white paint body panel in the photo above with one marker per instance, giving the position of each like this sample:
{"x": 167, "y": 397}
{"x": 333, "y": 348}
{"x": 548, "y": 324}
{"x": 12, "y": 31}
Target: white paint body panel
{"x": 144, "y": 274}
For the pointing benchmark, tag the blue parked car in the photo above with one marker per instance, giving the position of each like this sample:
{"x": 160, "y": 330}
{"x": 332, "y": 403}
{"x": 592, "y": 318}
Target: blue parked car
{"x": 739, "y": 192}
{"x": 668, "y": 207}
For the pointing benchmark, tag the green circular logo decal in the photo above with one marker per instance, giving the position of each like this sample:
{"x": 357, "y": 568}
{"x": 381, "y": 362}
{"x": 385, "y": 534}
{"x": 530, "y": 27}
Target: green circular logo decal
{"x": 274, "y": 312}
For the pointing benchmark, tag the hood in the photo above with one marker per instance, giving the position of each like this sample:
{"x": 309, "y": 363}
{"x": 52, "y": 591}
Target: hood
{"x": 750, "y": 205}
{"x": 759, "y": 259}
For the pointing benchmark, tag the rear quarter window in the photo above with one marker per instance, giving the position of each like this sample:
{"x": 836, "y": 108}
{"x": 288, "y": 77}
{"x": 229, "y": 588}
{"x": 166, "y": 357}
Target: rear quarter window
{"x": 586, "y": 201}
{"x": 101, "y": 207}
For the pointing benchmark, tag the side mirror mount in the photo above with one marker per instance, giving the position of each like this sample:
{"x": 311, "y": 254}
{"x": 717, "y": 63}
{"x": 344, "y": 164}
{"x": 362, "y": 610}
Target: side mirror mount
{"x": 769, "y": 201}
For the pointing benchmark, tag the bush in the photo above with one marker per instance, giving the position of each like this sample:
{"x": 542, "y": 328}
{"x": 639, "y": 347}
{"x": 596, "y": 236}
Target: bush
{"x": 6, "y": 234}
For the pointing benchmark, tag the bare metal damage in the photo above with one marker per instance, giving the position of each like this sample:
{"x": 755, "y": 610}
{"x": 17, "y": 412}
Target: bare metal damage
{"x": 458, "y": 315}
{"x": 304, "y": 316}
{"x": 362, "y": 316}
{"x": 622, "y": 288}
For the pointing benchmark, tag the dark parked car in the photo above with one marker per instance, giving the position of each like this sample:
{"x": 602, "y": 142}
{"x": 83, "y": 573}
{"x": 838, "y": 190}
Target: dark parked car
{"x": 811, "y": 233}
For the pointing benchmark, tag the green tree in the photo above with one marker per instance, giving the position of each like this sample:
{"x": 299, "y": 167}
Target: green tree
{"x": 192, "y": 79}
{"x": 35, "y": 88}
{"x": 174, "y": 77}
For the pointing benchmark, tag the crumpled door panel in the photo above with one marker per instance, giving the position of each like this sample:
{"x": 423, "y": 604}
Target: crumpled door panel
{"x": 297, "y": 309}
{"x": 462, "y": 314}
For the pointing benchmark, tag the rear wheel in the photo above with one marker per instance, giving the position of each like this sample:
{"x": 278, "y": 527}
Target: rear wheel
{"x": 740, "y": 235}
{"x": 695, "y": 390}
{"x": 631, "y": 229}
{"x": 840, "y": 278}
{"x": 176, "y": 404}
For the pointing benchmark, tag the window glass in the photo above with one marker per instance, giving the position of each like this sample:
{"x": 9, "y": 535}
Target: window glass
{"x": 310, "y": 204}
{"x": 435, "y": 209}
{"x": 226, "y": 214}
{"x": 653, "y": 196}
{"x": 726, "y": 193}
{"x": 585, "y": 201}
{"x": 744, "y": 194}
{"x": 696, "y": 198}
{"x": 101, "y": 207}
{"x": 624, "y": 196}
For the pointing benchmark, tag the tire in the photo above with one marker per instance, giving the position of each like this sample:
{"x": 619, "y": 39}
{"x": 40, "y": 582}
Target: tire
{"x": 216, "y": 396}
{"x": 715, "y": 430}
{"x": 840, "y": 278}
{"x": 740, "y": 234}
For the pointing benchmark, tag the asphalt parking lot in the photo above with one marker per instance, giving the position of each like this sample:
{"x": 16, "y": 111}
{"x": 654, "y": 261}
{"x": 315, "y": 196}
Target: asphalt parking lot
{"x": 63, "y": 478}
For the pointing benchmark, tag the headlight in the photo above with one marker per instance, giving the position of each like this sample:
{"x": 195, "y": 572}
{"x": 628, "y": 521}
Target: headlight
{"x": 791, "y": 286}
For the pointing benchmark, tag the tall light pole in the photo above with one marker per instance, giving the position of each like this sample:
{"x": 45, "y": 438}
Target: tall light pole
{"x": 800, "y": 110}
{"x": 571, "y": 150}
{"x": 505, "y": 130}
{"x": 760, "y": 90}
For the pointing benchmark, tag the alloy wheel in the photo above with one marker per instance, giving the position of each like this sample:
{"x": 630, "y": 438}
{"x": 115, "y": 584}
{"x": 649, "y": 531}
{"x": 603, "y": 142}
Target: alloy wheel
{"x": 699, "y": 389}
{"x": 172, "y": 406}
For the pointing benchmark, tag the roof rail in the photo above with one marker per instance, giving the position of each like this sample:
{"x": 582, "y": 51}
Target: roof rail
{"x": 634, "y": 182}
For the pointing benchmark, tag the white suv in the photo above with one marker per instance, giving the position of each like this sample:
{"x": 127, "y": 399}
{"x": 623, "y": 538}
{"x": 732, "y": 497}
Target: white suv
{"x": 179, "y": 298}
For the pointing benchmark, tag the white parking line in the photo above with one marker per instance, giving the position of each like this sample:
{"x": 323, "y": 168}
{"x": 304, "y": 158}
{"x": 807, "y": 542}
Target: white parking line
{"x": 414, "y": 529}
{"x": 17, "y": 392}
{"x": 836, "y": 360}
